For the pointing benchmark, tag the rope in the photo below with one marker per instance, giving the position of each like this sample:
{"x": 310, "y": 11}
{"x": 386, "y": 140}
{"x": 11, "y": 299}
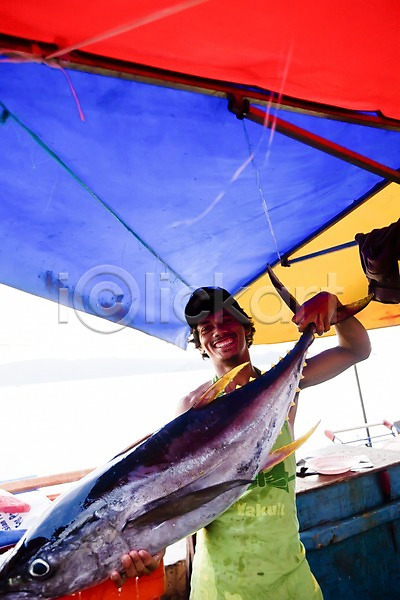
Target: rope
{"x": 272, "y": 128}
{"x": 36, "y": 58}
{"x": 260, "y": 190}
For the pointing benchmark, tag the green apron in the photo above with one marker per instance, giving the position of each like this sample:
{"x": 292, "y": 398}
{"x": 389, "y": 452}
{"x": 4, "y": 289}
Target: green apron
{"x": 253, "y": 550}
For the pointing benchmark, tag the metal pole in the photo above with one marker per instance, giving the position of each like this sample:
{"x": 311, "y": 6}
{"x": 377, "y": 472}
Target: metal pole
{"x": 363, "y": 406}
{"x": 320, "y": 143}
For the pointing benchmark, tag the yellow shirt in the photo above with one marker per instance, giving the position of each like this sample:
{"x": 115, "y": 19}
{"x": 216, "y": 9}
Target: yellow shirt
{"x": 253, "y": 550}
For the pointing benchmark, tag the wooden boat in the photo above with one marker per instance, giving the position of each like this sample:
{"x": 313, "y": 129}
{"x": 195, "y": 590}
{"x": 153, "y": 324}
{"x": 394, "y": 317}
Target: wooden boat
{"x": 349, "y": 525}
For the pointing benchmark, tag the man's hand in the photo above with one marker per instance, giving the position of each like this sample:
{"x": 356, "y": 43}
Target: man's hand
{"x": 136, "y": 564}
{"x": 321, "y": 310}
{"x": 353, "y": 342}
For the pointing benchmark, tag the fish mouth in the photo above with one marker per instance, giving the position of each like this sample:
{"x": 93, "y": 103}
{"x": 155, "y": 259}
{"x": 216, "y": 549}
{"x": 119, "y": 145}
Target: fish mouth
{"x": 8, "y": 593}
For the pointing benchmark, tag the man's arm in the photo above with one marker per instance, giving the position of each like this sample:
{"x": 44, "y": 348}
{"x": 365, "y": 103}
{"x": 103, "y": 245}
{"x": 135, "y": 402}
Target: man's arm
{"x": 353, "y": 341}
{"x": 187, "y": 402}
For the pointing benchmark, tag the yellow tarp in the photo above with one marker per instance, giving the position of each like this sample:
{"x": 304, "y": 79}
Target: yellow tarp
{"x": 339, "y": 272}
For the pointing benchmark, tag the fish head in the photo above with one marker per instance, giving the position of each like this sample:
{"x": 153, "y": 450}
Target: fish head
{"x": 64, "y": 551}
{"x": 42, "y": 569}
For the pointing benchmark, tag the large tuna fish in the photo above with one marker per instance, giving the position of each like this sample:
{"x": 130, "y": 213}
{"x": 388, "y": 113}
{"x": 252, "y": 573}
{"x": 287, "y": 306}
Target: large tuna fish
{"x": 169, "y": 486}
{"x": 177, "y": 481}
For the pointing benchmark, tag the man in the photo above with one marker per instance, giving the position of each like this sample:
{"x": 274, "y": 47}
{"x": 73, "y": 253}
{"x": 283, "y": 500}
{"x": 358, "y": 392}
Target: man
{"x": 253, "y": 551}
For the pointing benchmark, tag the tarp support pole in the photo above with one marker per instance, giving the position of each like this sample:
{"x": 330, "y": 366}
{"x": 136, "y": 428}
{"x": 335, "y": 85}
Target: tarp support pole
{"x": 245, "y": 110}
{"x": 92, "y": 63}
{"x": 290, "y": 261}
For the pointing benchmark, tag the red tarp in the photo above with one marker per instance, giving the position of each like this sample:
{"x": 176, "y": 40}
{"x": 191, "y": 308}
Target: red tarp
{"x": 342, "y": 53}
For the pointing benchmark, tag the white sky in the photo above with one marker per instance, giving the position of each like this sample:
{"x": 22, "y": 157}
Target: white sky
{"x": 72, "y": 397}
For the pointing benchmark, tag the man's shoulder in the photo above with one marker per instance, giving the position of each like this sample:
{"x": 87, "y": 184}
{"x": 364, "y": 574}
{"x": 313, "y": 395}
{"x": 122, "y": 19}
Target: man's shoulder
{"x": 192, "y": 397}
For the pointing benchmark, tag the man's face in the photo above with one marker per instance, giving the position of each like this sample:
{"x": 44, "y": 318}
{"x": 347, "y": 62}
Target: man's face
{"x": 223, "y": 337}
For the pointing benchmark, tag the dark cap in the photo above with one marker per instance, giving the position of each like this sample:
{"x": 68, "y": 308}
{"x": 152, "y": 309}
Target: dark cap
{"x": 206, "y": 301}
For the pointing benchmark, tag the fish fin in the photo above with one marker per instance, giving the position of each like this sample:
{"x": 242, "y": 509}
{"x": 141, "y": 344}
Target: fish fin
{"x": 349, "y": 310}
{"x": 173, "y": 505}
{"x": 284, "y": 293}
{"x": 343, "y": 312}
{"x": 216, "y": 388}
{"x": 132, "y": 446}
{"x": 281, "y": 454}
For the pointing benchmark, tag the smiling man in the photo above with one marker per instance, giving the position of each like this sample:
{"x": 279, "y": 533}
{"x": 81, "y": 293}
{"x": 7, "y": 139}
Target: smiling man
{"x": 223, "y": 332}
{"x": 253, "y": 550}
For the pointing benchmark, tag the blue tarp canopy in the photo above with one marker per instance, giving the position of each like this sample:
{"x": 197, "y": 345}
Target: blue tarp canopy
{"x": 159, "y": 190}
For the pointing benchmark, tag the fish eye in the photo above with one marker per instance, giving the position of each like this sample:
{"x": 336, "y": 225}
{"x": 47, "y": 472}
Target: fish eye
{"x": 39, "y": 568}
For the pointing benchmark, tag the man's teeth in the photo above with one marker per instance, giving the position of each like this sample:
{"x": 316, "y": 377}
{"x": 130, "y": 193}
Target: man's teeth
{"x": 223, "y": 343}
